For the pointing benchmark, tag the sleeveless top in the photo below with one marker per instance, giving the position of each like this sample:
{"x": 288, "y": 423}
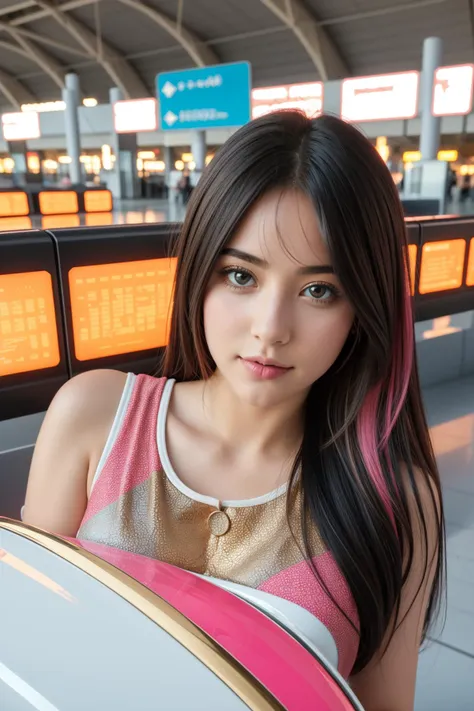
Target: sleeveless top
{"x": 138, "y": 504}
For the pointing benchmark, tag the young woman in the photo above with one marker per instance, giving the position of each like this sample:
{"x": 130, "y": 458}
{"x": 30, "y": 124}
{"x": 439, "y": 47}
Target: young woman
{"x": 285, "y": 446}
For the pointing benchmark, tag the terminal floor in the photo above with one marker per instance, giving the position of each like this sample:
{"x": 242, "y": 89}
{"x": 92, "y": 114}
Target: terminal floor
{"x": 135, "y": 212}
{"x": 126, "y": 212}
{"x": 446, "y": 671}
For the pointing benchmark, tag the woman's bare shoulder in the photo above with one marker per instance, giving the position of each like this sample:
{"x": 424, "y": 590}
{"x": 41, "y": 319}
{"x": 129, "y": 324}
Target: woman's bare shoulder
{"x": 69, "y": 445}
{"x": 91, "y": 390}
{"x": 86, "y": 401}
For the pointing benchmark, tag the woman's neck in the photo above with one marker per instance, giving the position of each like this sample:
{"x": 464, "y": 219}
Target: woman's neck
{"x": 240, "y": 424}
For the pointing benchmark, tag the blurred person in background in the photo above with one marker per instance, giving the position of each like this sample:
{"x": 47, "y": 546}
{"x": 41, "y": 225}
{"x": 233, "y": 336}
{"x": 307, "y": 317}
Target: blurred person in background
{"x": 185, "y": 186}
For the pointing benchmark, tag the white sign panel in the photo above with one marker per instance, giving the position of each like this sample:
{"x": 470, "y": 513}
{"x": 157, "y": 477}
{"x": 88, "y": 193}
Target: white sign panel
{"x": 381, "y": 97}
{"x": 305, "y": 97}
{"x": 136, "y": 115}
{"x": 20, "y": 126}
{"x": 452, "y": 93}
{"x": 43, "y": 106}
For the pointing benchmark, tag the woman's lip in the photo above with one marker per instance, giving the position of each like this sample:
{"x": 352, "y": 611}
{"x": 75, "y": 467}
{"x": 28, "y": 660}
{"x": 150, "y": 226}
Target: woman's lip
{"x": 264, "y": 372}
{"x": 267, "y": 362}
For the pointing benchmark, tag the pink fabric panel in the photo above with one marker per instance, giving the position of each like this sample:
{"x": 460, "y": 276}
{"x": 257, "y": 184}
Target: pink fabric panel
{"x": 135, "y": 454}
{"x": 298, "y": 584}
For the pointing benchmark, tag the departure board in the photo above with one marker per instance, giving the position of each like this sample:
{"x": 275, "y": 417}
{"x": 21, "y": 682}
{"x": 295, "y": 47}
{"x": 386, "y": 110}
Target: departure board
{"x": 28, "y": 332}
{"x": 412, "y": 253}
{"x": 98, "y": 200}
{"x": 442, "y": 266}
{"x": 14, "y": 204}
{"x": 470, "y": 265}
{"x": 121, "y": 308}
{"x": 60, "y": 202}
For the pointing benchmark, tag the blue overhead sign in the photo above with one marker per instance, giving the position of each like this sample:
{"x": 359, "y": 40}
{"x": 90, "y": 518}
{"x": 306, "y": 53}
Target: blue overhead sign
{"x": 207, "y": 97}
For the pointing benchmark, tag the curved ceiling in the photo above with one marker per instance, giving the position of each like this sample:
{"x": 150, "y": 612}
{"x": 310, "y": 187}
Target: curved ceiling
{"x": 126, "y": 43}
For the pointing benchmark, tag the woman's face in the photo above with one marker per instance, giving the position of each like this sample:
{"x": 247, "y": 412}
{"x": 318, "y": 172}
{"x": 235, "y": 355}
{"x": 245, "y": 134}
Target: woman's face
{"x": 275, "y": 314}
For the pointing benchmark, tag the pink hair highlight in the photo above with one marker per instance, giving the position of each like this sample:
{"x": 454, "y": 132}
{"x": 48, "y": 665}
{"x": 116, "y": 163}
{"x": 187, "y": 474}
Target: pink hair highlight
{"x": 372, "y": 443}
{"x": 368, "y": 438}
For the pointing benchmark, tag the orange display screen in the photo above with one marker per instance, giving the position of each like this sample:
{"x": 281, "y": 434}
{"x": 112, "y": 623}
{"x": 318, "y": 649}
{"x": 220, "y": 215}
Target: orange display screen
{"x": 14, "y": 204}
{"x": 470, "y": 265}
{"x": 28, "y": 332}
{"x": 58, "y": 203}
{"x": 121, "y": 308}
{"x": 412, "y": 252}
{"x": 98, "y": 200}
{"x": 442, "y": 266}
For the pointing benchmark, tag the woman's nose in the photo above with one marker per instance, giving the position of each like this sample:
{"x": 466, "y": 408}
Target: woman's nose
{"x": 271, "y": 319}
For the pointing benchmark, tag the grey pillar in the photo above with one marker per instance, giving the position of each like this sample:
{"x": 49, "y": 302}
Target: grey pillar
{"x": 115, "y": 94}
{"x": 198, "y": 149}
{"x": 430, "y": 125}
{"x": 169, "y": 167}
{"x": 125, "y": 149}
{"x": 168, "y": 159}
{"x": 71, "y": 97}
{"x": 332, "y": 98}
{"x": 18, "y": 150}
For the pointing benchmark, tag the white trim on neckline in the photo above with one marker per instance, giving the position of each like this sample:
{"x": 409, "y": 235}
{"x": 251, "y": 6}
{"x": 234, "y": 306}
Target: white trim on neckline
{"x": 176, "y": 481}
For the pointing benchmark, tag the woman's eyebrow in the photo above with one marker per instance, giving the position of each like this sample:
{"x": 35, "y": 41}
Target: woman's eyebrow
{"x": 259, "y": 262}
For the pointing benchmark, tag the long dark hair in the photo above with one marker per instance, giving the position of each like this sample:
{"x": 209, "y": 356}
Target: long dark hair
{"x": 362, "y": 454}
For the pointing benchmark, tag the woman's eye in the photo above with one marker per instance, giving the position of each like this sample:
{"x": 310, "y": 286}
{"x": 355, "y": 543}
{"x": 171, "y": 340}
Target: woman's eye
{"x": 239, "y": 277}
{"x": 321, "y": 292}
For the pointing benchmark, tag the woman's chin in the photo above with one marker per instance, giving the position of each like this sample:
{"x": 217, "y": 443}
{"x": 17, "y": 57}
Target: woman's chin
{"x": 257, "y": 392}
{"x": 263, "y": 394}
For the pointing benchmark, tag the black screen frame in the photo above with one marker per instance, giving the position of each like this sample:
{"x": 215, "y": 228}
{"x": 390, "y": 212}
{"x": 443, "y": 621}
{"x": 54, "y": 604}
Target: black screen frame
{"x": 23, "y": 252}
{"x": 88, "y": 245}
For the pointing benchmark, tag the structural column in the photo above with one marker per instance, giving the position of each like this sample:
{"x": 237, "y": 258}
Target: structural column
{"x": 168, "y": 159}
{"x": 125, "y": 149}
{"x": 71, "y": 97}
{"x": 430, "y": 125}
{"x": 17, "y": 150}
{"x": 169, "y": 167}
{"x": 115, "y": 94}
{"x": 198, "y": 149}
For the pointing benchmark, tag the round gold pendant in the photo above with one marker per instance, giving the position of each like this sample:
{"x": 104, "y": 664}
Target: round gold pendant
{"x": 219, "y": 523}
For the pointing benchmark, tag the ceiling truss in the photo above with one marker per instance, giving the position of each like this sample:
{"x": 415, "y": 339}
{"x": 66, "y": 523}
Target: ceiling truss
{"x": 315, "y": 40}
{"x": 14, "y": 91}
{"x": 115, "y": 64}
{"x": 88, "y": 44}
{"x": 45, "y": 61}
{"x": 195, "y": 48}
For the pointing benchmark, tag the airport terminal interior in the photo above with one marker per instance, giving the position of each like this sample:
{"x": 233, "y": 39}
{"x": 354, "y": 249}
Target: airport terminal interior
{"x": 110, "y": 113}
